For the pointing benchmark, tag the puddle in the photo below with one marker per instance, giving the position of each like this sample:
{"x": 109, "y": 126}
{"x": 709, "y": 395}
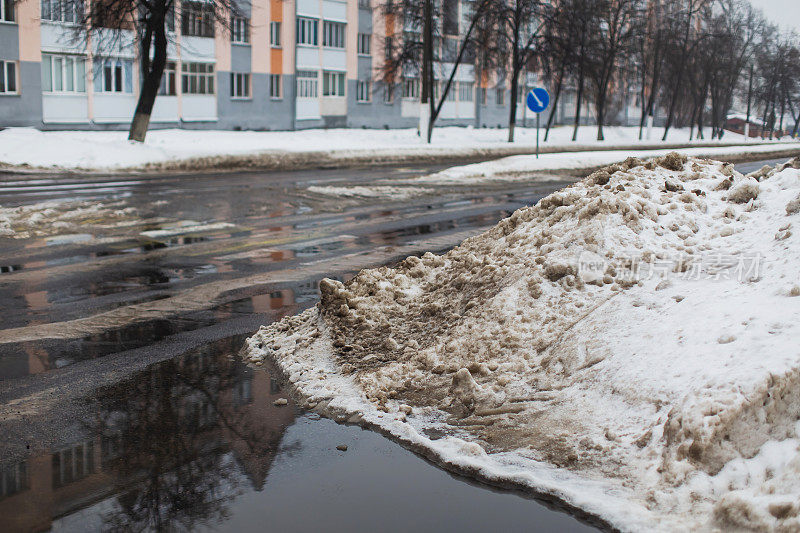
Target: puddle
{"x": 197, "y": 443}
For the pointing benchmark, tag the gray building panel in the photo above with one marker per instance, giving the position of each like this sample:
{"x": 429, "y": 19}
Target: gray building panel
{"x": 9, "y": 41}
{"x": 364, "y": 21}
{"x": 241, "y": 58}
{"x": 257, "y": 113}
{"x": 25, "y": 108}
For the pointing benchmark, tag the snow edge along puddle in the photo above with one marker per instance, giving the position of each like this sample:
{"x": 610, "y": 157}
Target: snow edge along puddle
{"x": 365, "y": 356}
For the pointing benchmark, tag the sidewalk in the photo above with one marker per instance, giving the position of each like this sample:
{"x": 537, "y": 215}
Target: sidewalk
{"x": 26, "y": 149}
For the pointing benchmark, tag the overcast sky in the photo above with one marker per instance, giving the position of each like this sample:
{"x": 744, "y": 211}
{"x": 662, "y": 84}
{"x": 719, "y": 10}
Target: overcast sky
{"x": 783, "y": 12}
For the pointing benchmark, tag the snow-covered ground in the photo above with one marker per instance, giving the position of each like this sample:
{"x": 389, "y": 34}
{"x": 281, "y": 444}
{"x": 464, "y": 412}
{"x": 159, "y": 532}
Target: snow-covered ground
{"x": 629, "y": 345}
{"x": 99, "y": 150}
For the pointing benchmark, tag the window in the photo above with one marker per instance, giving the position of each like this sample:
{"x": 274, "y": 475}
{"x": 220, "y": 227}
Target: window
{"x": 59, "y": 10}
{"x": 482, "y": 95}
{"x": 333, "y": 34}
{"x": 411, "y": 88}
{"x": 451, "y": 93}
{"x": 333, "y": 84}
{"x": 465, "y": 91}
{"x": 63, "y": 74}
{"x": 197, "y": 19}
{"x": 7, "y": 10}
{"x": 307, "y": 31}
{"x": 197, "y": 78}
{"x": 307, "y": 83}
{"x": 8, "y": 77}
{"x": 363, "y": 93}
{"x": 111, "y": 76}
{"x": 275, "y": 91}
{"x": 364, "y": 40}
{"x": 364, "y": 4}
{"x": 240, "y": 85}
{"x": 500, "y": 96}
{"x": 168, "y": 85}
{"x": 275, "y": 34}
{"x": 388, "y": 94}
{"x": 240, "y": 30}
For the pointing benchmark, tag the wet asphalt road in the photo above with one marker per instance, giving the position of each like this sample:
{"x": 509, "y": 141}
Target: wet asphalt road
{"x": 120, "y": 382}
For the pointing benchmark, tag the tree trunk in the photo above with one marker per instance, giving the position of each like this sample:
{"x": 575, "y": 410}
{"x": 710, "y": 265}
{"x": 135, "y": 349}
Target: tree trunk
{"x": 578, "y": 106}
{"x": 427, "y": 45}
{"x": 554, "y": 107}
{"x": 153, "y": 70}
{"x": 512, "y": 113}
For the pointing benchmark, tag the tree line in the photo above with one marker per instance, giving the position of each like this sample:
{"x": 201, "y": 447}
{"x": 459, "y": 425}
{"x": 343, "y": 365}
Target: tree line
{"x": 688, "y": 61}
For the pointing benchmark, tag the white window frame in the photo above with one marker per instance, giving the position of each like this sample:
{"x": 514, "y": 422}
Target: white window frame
{"x": 275, "y": 86}
{"x": 365, "y": 4}
{"x": 70, "y": 69}
{"x": 364, "y": 45}
{"x": 169, "y": 80}
{"x": 240, "y": 30}
{"x": 334, "y": 84}
{"x": 307, "y": 31}
{"x": 411, "y": 88}
{"x": 466, "y": 91}
{"x": 500, "y": 96}
{"x": 193, "y": 80}
{"x": 7, "y": 12}
{"x": 275, "y": 34}
{"x": 69, "y": 11}
{"x": 197, "y": 19}
{"x": 333, "y": 34}
{"x": 5, "y": 67}
{"x": 307, "y": 83}
{"x": 363, "y": 91}
{"x": 240, "y": 86}
{"x": 114, "y": 74}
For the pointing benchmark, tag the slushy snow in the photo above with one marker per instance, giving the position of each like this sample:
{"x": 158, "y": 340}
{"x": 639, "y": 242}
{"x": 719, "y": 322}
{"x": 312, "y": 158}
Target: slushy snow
{"x": 110, "y": 150}
{"x": 629, "y": 345}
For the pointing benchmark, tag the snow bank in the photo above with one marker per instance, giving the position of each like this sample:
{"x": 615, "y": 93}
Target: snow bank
{"x": 522, "y": 166}
{"x": 629, "y": 344}
{"x": 105, "y": 150}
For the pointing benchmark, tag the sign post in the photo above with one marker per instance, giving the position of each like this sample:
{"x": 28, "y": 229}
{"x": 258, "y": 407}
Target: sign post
{"x": 538, "y": 100}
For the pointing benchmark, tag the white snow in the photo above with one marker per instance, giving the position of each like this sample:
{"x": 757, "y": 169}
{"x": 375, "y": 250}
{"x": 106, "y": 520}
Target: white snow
{"x": 111, "y": 149}
{"x": 629, "y": 345}
{"x": 522, "y": 166}
{"x": 369, "y": 191}
{"x": 53, "y": 217}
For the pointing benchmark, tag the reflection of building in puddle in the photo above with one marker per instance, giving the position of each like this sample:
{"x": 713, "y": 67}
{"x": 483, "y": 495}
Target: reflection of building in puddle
{"x": 170, "y": 446}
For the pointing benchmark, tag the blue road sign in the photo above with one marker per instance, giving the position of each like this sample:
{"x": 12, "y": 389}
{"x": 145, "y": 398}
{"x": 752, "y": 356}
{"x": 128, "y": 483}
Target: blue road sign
{"x": 538, "y": 100}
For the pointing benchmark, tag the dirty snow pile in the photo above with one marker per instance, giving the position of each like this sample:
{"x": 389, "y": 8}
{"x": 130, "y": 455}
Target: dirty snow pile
{"x": 629, "y": 345}
{"x": 58, "y": 217}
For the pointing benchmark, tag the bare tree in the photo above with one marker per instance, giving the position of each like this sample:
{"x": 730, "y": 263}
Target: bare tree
{"x": 616, "y": 29}
{"x": 153, "y": 23}
{"x": 411, "y": 46}
{"x": 518, "y": 24}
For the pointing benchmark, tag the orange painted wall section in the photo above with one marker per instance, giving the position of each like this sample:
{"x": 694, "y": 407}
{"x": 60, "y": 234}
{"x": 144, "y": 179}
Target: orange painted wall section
{"x": 276, "y": 60}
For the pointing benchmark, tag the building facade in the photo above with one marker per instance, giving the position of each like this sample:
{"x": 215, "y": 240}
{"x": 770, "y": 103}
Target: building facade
{"x": 283, "y": 64}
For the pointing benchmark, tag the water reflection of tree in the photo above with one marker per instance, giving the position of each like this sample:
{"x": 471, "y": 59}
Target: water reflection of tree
{"x": 172, "y": 435}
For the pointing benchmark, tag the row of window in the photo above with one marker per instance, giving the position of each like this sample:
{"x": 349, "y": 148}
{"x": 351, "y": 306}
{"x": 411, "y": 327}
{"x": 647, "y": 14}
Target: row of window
{"x": 333, "y": 33}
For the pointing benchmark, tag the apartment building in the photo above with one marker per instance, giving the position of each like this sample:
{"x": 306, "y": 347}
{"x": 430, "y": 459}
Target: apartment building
{"x": 282, "y": 64}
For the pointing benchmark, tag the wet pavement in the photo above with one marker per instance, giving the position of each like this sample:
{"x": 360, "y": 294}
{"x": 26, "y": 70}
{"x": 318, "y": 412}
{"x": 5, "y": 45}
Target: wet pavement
{"x": 123, "y": 401}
